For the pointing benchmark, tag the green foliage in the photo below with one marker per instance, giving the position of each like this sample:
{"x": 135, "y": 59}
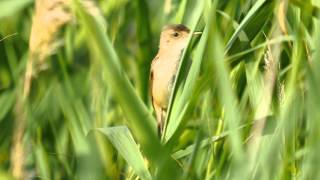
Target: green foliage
{"x": 121, "y": 138}
{"x": 245, "y": 101}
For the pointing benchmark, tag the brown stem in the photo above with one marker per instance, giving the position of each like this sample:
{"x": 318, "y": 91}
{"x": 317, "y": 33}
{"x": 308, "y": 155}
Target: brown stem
{"x": 17, "y": 151}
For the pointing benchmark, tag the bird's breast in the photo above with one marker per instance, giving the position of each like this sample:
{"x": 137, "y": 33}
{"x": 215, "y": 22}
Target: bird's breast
{"x": 164, "y": 72}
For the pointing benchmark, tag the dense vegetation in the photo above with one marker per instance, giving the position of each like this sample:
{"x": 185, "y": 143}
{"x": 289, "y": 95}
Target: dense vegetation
{"x": 74, "y": 96}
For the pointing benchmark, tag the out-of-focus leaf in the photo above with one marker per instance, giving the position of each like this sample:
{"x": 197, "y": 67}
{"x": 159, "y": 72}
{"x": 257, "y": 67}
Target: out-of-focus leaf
{"x": 10, "y": 7}
{"x": 188, "y": 150}
{"x": 6, "y": 102}
{"x": 43, "y": 164}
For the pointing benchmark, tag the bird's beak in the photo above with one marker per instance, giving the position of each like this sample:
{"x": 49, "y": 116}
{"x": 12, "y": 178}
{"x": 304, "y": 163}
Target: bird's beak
{"x": 197, "y": 33}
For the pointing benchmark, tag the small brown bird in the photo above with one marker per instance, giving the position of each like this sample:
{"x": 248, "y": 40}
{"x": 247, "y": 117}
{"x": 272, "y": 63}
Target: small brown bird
{"x": 164, "y": 66}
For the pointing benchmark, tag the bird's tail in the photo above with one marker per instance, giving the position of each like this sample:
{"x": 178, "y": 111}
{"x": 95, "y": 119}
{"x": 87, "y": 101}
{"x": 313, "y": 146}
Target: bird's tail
{"x": 161, "y": 121}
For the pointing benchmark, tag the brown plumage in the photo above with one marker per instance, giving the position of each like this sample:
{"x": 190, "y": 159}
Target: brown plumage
{"x": 173, "y": 40}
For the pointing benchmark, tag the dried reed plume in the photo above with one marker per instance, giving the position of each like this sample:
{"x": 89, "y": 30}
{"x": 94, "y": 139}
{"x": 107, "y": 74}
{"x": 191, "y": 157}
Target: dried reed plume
{"x": 49, "y": 17}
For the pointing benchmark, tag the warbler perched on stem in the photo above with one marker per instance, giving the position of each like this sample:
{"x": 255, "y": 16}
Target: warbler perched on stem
{"x": 164, "y": 67}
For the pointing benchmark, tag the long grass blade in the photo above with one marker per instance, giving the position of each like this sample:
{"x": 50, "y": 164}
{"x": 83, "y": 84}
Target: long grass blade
{"x": 244, "y": 22}
{"x": 123, "y": 141}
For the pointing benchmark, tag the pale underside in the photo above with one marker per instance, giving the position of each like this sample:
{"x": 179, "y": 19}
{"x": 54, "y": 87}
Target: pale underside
{"x": 164, "y": 68}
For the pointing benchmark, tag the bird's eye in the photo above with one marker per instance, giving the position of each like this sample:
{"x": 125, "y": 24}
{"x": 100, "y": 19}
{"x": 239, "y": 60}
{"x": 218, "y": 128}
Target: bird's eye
{"x": 175, "y": 34}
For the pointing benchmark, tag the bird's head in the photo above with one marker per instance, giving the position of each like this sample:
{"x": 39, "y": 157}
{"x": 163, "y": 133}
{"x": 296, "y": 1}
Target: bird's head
{"x": 174, "y": 36}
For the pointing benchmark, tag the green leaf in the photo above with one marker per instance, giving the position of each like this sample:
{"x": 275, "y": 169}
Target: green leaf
{"x": 204, "y": 143}
{"x": 227, "y": 96}
{"x": 244, "y": 22}
{"x": 123, "y": 141}
{"x": 6, "y": 102}
{"x": 10, "y": 7}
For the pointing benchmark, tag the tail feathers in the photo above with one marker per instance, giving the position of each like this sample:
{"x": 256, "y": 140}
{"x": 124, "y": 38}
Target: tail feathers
{"x": 159, "y": 130}
{"x": 161, "y": 117}
{"x": 161, "y": 120}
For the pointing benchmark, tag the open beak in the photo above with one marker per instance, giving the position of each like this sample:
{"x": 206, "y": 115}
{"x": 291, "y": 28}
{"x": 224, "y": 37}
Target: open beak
{"x": 197, "y": 33}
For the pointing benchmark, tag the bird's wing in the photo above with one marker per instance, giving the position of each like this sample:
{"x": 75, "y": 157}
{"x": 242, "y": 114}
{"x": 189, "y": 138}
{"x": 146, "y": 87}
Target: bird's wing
{"x": 158, "y": 110}
{"x": 151, "y": 78}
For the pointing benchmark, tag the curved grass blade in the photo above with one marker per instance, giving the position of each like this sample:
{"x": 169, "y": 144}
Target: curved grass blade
{"x": 123, "y": 141}
{"x": 204, "y": 143}
{"x": 277, "y": 40}
{"x": 244, "y": 22}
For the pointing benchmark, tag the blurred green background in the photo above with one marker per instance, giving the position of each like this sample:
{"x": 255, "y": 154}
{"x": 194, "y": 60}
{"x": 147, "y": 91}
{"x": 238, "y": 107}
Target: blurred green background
{"x": 74, "y": 96}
